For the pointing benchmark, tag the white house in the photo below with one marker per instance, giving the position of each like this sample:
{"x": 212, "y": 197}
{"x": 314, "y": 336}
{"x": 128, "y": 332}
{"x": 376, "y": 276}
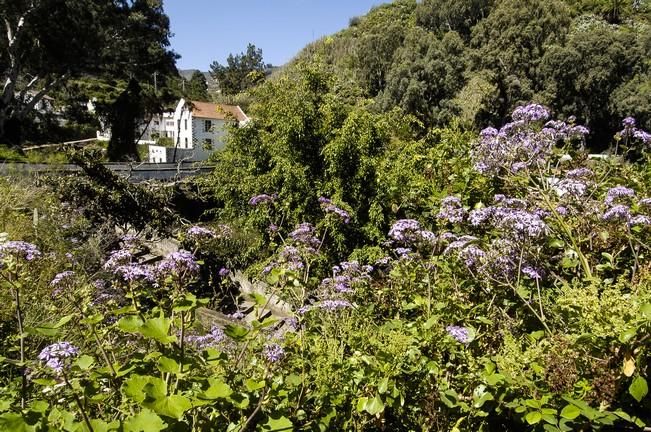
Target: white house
{"x": 196, "y": 129}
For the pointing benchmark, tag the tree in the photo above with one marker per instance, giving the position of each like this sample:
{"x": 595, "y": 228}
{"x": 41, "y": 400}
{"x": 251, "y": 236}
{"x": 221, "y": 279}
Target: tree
{"x": 50, "y": 42}
{"x": 241, "y": 72}
{"x": 197, "y": 88}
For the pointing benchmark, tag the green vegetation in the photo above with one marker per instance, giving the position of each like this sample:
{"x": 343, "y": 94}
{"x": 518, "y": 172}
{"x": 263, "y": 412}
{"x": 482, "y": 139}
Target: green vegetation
{"x": 401, "y": 239}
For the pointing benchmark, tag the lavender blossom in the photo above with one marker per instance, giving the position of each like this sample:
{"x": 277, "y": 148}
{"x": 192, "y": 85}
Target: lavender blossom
{"x": 530, "y": 113}
{"x": 531, "y": 272}
{"x": 58, "y": 356}
{"x": 640, "y": 220}
{"x": 333, "y": 305}
{"x": 118, "y": 258}
{"x": 580, "y": 174}
{"x": 199, "y": 233}
{"x": 617, "y": 213}
{"x": 209, "y": 340}
{"x": 61, "y": 281}
{"x": 273, "y": 353}
{"x": 452, "y": 210}
{"x": 223, "y": 272}
{"x": 305, "y": 234}
{"x": 461, "y": 334}
{"x": 19, "y": 249}
{"x": 618, "y": 193}
{"x": 261, "y": 199}
{"x": 179, "y": 263}
{"x": 135, "y": 272}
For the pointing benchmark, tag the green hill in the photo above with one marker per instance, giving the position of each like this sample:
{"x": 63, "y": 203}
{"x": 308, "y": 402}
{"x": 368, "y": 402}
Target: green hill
{"x": 475, "y": 60}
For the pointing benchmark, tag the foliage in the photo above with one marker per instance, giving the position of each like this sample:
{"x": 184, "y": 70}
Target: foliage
{"x": 241, "y": 72}
{"x": 197, "y": 88}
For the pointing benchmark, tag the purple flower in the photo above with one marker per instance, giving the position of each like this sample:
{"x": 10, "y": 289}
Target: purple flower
{"x": 333, "y": 305}
{"x": 409, "y": 232}
{"x": 531, "y": 272}
{"x": 223, "y": 272}
{"x": 179, "y": 263}
{"x": 305, "y": 234}
{"x": 530, "y": 113}
{"x": 212, "y": 339}
{"x": 571, "y": 187}
{"x": 643, "y": 136}
{"x": 617, "y": 213}
{"x": 341, "y": 213}
{"x": 451, "y": 210}
{"x": 19, "y": 249}
{"x": 562, "y": 211}
{"x": 273, "y": 353}
{"x": 617, "y": 193}
{"x": 461, "y": 334}
{"x": 273, "y": 228}
{"x": 324, "y": 200}
{"x": 472, "y": 256}
{"x": 58, "y": 356}
{"x": 196, "y": 232}
{"x": 645, "y": 202}
{"x": 134, "y": 272}
{"x": 628, "y": 122}
{"x": 61, "y": 281}
{"x": 580, "y": 173}
{"x": 261, "y": 199}
{"x": 481, "y": 215}
{"x": 118, "y": 258}
{"x": 640, "y": 220}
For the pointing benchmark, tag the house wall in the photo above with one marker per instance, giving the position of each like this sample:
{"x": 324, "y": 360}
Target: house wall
{"x": 216, "y": 133}
{"x": 157, "y": 154}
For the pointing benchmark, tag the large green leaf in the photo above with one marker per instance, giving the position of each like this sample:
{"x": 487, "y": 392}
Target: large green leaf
{"x": 570, "y": 412}
{"x": 172, "y": 406}
{"x": 278, "y": 424}
{"x": 130, "y": 324}
{"x": 638, "y": 388}
{"x": 158, "y": 329}
{"x": 145, "y": 421}
{"x": 217, "y": 389}
{"x": 15, "y": 423}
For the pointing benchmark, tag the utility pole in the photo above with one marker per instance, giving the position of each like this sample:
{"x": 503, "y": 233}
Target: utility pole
{"x": 155, "y": 82}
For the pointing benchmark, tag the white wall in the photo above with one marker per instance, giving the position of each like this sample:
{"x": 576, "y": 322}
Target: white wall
{"x": 157, "y": 154}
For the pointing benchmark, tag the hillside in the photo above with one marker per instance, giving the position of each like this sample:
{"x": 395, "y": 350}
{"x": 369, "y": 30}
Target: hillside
{"x": 474, "y": 61}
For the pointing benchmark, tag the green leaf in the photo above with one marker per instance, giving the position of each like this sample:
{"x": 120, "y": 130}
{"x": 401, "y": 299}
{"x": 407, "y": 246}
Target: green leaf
{"x": 253, "y": 385}
{"x": 168, "y": 365}
{"x": 374, "y": 406}
{"x": 84, "y": 362}
{"x": 627, "y": 335}
{"x": 134, "y": 386}
{"x": 638, "y": 388}
{"x": 102, "y": 426}
{"x": 216, "y": 390}
{"x": 158, "y": 329}
{"x": 533, "y": 417}
{"x": 130, "y": 324}
{"x": 173, "y": 406}
{"x": 14, "y": 423}
{"x": 145, "y": 421}
{"x": 645, "y": 309}
{"x": 236, "y": 332}
{"x": 570, "y": 412}
{"x": 278, "y": 424}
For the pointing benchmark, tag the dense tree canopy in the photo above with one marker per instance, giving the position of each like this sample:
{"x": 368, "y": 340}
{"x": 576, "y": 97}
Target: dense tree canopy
{"x": 48, "y": 43}
{"x": 241, "y": 72}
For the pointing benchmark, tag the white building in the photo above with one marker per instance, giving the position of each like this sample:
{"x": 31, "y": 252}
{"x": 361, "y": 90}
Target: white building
{"x": 193, "y": 130}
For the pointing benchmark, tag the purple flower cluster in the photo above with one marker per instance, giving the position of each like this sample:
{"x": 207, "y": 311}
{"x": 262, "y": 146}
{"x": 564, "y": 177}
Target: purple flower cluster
{"x": 273, "y": 352}
{"x": 530, "y": 113}
{"x": 178, "y": 263}
{"x": 514, "y": 221}
{"x": 345, "y": 276}
{"x": 329, "y": 207}
{"x": 461, "y": 334}
{"x": 452, "y": 210}
{"x": 58, "y": 356}
{"x": 305, "y": 234}
{"x": 62, "y": 281}
{"x": 261, "y": 199}
{"x": 209, "y": 340}
{"x": 619, "y": 194}
{"x": 518, "y": 145}
{"x": 135, "y": 272}
{"x": 19, "y": 249}
{"x": 630, "y": 131}
{"x": 409, "y": 232}
{"x": 333, "y": 305}
{"x": 223, "y": 272}
{"x": 117, "y": 259}
{"x": 198, "y": 233}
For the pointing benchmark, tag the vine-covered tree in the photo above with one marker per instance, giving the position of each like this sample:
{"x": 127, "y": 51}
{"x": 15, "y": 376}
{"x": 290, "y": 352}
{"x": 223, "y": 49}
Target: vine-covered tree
{"x": 241, "y": 72}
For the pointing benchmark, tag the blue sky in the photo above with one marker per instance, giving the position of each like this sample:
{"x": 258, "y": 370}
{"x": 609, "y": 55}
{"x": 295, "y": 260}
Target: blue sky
{"x": 208, "y": 30}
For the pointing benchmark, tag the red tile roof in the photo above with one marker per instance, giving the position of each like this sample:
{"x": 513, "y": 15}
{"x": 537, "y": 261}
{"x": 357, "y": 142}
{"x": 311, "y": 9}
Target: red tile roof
{"x": 217, "y": 111}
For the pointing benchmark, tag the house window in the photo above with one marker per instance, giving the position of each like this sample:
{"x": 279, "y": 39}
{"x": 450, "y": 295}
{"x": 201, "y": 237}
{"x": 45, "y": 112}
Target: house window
{"x": 207, "y": 126}
{"x": 170, "y": 123}
{"x": 186, "y": 142}
{"x": 186, "y": 124}
{"x": 207, "y": 144}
